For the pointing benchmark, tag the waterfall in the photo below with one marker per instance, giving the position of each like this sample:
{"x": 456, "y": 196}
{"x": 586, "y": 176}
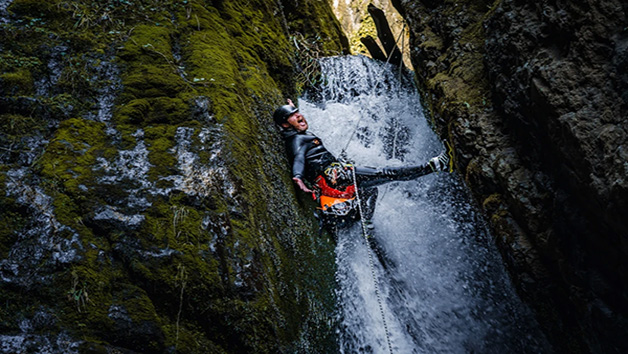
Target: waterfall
{"x": 444, "y": 289}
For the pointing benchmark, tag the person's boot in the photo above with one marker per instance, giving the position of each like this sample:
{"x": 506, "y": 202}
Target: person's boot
{"x": 444, "y": 161}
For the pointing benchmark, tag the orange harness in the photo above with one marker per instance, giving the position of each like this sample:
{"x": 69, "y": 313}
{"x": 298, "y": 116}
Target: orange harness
{"x": 334, "y": 201}
{"x": 326, "y": 190}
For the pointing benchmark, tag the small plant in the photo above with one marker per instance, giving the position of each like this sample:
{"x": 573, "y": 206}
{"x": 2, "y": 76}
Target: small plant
{"x": 180, "y": 281}
{"x": 308, "y": 51}
{"x": 77, "y": 294}
{"x": 178, "y": 214}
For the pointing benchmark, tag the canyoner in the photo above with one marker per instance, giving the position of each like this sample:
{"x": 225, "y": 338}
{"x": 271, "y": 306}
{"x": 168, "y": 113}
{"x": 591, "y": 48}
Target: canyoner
{"x": 334, "y": 182}
{"x": 435, "y": 282}
{"x": 345, "y": 193}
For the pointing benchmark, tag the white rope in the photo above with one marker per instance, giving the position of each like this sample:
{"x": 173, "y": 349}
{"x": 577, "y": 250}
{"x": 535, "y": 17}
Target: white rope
{"x": 371, "y": 263}
{"x": 395, "y": 47}
{"x": 342, "y": 152}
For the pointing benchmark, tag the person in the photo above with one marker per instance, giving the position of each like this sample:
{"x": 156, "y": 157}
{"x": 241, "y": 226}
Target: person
{"x": 328, "y": 176}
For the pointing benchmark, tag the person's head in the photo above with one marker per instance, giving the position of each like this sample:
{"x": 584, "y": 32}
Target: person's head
{"x": 289, "y": 117}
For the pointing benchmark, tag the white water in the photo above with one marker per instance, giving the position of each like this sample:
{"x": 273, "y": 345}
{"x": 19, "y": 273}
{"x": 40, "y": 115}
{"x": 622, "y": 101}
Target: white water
{"x": 445, "y": 289}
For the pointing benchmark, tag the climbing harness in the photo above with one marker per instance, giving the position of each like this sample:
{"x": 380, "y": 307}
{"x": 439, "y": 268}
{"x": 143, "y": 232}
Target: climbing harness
{"x": 338, "y": 207}
{"x": 338, "y": 173}
{"x": 371, "y": 263}
{"x": 335, "y": 192}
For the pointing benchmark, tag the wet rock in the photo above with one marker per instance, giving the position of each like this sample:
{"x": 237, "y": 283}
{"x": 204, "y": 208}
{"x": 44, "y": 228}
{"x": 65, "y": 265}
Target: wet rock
{"x": 533, "y": 97}
{"x": 138, "y": 164}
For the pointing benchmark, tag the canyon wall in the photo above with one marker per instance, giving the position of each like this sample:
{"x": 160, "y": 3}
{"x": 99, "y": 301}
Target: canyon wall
{"x": 534, "y": 98}
{"x": 145, "y": 199}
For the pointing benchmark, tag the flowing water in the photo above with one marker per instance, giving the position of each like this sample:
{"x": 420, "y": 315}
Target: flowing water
{"x": 444, "y": 288}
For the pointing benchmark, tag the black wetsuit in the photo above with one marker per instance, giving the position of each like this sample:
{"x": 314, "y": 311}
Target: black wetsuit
{"x": 310, "y": 158}
{"x": 307, "y": 154}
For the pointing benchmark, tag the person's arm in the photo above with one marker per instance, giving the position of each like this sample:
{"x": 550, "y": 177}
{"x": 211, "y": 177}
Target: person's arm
{"x": 302, "y": 186}
{"x": 298, "y": 164}
{"x": 298, "y": 168}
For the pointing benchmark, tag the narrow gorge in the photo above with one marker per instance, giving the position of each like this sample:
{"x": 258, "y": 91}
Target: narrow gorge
{"x": 146, "y": 204}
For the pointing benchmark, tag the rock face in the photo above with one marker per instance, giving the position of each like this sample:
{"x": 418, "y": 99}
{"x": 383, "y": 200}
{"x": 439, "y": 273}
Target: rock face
{"x": 535, "y": 99}
{"x": 145, "y": 200}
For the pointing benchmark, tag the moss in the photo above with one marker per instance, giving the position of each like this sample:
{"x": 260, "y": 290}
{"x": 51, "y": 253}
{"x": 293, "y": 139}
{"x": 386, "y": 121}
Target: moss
{"x": 11, "y": 220}
{"x": 151, "y": 81}
{"x": 76, "y": 77}
{"x": 146, "y": 44}
{"x": 313, "y": 16}
{"x": 15, "y": 126}
{"x": 9, "y": 60}
{"x": 48, "y": 9}
{"x": 134, "y": 112}
{"x": 432, "y": 42}
{"x": 188, "y": 339}
{"x": 154, "y": 111}
{"x": 160, "y": 141}
{"x": 71, "y": 154}
{"x": 18, "y": 83}
{"x": 367, "y": 29}
{"x": 168, "y": 110}
{"x": 215, "y": 273}
{"x": 493, "y": 203}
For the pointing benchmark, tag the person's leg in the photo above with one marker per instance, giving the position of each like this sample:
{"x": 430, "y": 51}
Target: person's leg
{"x": 369, "y": 177}
{"x": 368, "y": 197}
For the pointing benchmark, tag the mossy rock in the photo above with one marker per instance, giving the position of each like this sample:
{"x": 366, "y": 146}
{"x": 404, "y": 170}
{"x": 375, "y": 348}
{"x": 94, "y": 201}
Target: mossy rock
{"x": 156, "y": 110}
{"x": 47, "y": 9}
{"x": 18, "y": 83}
{"x": 148, "y": 43}
{"x": 160, "y": 141}
{"x": 134, "y": 112}
{"x": 152, "y": 81}
{"x": 168, "y": 110}
{"x": 16, "y": 125}
{"x": 243, "y": 264}
{"x": 12, "y": 218}
{"x": 72, "y": 153}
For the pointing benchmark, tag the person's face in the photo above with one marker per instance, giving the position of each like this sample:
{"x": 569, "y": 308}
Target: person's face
{"x": 297, "y": 122}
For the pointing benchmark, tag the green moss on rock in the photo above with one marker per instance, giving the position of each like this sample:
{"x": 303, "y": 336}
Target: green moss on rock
{"x": 193, "y": 272}
{"x": 152, "y": 81}
{"x": 160, "y": 141}
{"x": 48, "y": 9}
{"x": 72, "y": 153}
{"x": 134, "y": 112}
{"x": 18, "y": 83}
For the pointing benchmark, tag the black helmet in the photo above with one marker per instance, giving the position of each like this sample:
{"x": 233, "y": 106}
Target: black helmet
{"x": 282, "y": 113}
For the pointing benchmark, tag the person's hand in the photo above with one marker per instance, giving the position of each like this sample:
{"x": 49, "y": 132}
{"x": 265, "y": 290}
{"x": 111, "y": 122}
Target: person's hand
{"x": 290, "y": 102}
{"x": 301, "y": 185}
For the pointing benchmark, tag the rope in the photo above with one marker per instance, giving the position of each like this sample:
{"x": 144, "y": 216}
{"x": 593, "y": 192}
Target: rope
{"x": 403, "y": 42}
{"x": 371, "y": 263}
{"x": 387, "y": 60}
{"x": 342, "y": 152}
{"x": 397, "y": 41}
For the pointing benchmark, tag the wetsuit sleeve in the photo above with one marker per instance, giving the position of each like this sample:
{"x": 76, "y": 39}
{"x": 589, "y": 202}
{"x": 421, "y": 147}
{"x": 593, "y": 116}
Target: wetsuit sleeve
{"x": 298, "y": 165}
